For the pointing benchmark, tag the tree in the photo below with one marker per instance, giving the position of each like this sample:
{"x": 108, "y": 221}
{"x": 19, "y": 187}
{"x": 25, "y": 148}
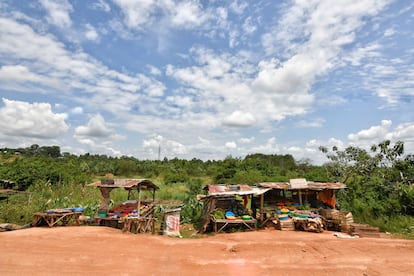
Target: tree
{"x": 376, "y": 180}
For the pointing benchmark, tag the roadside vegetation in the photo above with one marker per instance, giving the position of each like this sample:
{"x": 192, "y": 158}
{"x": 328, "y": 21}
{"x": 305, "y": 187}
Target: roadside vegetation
{"x": 380, "y": 181}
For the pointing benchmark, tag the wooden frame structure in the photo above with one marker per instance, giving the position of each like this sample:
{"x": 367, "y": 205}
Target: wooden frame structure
{"x": 304, "y": 189}
{"x": 142, "y": 221}
{"x": 222, "y": 192}
{"x": 63, "y": 218}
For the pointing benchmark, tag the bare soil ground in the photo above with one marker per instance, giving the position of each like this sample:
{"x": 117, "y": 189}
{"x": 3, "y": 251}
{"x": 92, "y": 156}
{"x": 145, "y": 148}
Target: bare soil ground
{"x": 93, "y": 250}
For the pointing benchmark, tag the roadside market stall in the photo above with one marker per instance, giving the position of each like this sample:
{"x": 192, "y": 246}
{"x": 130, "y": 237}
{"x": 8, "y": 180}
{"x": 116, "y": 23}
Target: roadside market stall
{"x": 302, "y": 204}
{"x": 58, "y": 217}
{"x": 228, "y": 206}
{"x": 133, "y": 215}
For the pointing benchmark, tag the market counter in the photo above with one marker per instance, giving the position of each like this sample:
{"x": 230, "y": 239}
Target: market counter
{"x": 54, "y": 219}
{"x": 221, "y": 224}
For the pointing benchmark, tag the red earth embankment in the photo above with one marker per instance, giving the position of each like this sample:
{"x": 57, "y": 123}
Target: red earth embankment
{"x": 90, "y": 250}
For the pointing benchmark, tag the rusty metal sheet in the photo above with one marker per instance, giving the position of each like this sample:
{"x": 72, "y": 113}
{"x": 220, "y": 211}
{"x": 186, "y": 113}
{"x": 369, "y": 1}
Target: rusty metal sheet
{"x": 127, "y": 184}
{"x": 310, "y": 186}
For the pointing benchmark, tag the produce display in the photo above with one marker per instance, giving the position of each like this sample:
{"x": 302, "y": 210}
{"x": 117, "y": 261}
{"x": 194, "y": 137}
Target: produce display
{"x": 126, "y": 209}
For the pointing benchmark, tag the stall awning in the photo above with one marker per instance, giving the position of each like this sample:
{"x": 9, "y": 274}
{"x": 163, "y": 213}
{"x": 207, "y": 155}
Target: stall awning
{"x": 310, "y": 185}
{"x": 143, "y": 184}
{"x": 228, "y": 190}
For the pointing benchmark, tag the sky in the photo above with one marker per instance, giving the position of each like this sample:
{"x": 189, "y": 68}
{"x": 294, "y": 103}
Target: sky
{"x": 206, "y": 79}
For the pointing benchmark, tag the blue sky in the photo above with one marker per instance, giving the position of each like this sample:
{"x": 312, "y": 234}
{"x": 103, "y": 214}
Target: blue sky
{"x": 206, "y": 79}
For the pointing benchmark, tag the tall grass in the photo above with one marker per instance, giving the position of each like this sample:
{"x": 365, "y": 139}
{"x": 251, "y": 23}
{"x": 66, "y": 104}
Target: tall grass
{"x": 43, "y": 196}
{"x": 398, "y": 225}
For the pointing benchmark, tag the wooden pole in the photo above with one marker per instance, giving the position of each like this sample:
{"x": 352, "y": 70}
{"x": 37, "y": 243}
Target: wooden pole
{"x": 262, "y": 211}
{"x": 139, "y": 201}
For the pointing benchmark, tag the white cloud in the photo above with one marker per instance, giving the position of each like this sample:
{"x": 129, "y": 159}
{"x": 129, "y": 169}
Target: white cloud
{"x": 309, "y": 38}
{"x": 231, "y": 145}
{"x": 166, "y": 147}
{"x": 137, "y": 13}
{"x": 32, "y": 120}
{"x": 404, "y": 132}
{"x": 15, "y": 77}
{"x": 269, "y": 147}
{"x": 389, "y": 32}
{"x": 168, "y": 14}
{"x": 77, "y": 110}
{"x": 357, "y": 56}
{"x": 318, "y": 122}
{"x": 98, "y": 136}
{"x": 58, "y": 12}
{"x": 91, "y": 33}
{"x": 184, "y": 14}
{"x": 102, "y": 5}
{"x": 246, "y": 140}
{"x": 374, "y": 133}
{"x": 154, "y": 70}
{"x": 96, "y": 127}
{"x": 238, "y": 7}
{"x": 66, "y": 71}
{"x": 239, "y": 118}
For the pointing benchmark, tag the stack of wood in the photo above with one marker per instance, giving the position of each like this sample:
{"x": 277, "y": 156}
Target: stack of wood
{"x": 336, "y": 220}
{"x": 286, "y": 225}
{"x": 362, "y": 230}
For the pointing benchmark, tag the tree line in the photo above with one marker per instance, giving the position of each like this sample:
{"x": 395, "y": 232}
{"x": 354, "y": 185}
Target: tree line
{"x": 379, "y": 181}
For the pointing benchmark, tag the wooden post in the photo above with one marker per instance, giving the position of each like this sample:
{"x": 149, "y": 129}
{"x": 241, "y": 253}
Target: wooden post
{"x": 300, "y": 197}
{"x": 139, "y": 201}
{"x": 262, "y": 211}
{"x": 105, "y": 191}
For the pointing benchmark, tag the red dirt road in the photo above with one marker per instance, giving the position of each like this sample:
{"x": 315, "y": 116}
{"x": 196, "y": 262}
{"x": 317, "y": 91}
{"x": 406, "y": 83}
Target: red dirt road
{"x": 92, "y": 250}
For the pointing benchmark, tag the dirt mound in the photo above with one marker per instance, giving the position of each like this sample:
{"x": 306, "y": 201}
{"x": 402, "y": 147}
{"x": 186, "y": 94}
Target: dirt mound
{"x": 106, "y": 251}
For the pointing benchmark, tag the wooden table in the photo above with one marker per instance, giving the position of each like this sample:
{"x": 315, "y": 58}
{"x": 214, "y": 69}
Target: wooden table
{"x": 55, "y": 219}
{"x": 221, "y": 224}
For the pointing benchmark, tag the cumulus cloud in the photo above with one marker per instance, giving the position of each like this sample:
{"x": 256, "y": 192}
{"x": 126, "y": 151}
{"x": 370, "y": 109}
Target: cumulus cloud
{"x": 98, "y": 135}
{"x": 96, "y": 127}
{"x": 364, "y": 139}
{"x": 374, "y": 133}
{"x": 32, "y": 120}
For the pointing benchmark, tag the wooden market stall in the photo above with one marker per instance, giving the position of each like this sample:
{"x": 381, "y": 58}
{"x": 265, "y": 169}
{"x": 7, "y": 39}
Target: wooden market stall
{"x": 228, "y": 206}
{"x": 133, "y": 215}
{"x": 55, "y": 217}
{"x": 302, "y": 204}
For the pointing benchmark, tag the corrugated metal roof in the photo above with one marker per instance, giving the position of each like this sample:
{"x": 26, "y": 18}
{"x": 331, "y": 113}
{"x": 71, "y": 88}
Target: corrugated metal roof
{"x": 127, "y": 184}
{"x": 242, "y": 189}
{"x": 310, "y": 186}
